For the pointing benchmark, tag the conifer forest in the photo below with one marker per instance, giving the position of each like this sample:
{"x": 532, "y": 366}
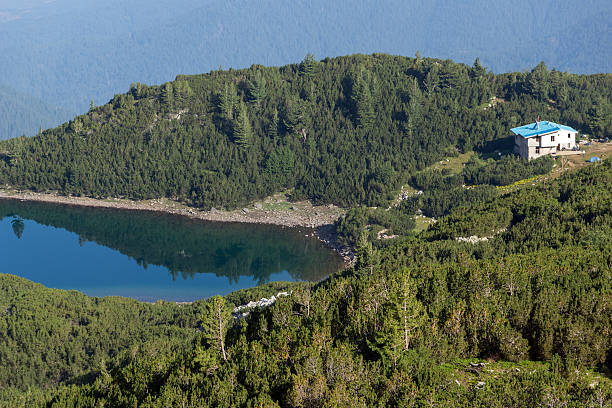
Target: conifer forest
{"x": 504, "y": 301}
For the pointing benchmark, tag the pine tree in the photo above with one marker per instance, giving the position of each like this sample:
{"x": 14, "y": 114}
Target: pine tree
{"x": 451, "y": 77}
{"x": 227, "y": 101}
{"x": 562, "y": 94}
{"x": 477, "y": 70}
{"x": 182, "y": 91}
{"x": 414, "y": 108}
{"x": 215, "y": 322}
{"x": 432, "y": 80}
{"x": 243, "y": 133}
{"x": 295, "y": 119}
{"x": 167, "y": 95}
{"x": 600, "y": 116}
{"x": 367, "y": 256}
{"x": 308, "y": 66}
{"x": 257, "y": 89}
{"x": 273, "y": 127}
{"x": 362, "y": 99}
{"x": 76, "y": 125}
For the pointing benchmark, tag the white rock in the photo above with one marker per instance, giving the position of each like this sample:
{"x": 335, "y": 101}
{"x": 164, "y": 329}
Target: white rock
{"x": 263, "y": 302}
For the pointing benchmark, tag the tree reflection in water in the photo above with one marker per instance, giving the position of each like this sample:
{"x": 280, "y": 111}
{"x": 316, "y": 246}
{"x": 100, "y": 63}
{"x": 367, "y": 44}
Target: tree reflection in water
{"x": 184, "y": 246}
{"x": 18, "y": 226}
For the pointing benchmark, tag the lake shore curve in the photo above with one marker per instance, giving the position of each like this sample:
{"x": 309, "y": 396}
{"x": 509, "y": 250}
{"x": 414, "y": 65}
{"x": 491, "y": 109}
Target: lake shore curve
{"x": 274, "y": 210}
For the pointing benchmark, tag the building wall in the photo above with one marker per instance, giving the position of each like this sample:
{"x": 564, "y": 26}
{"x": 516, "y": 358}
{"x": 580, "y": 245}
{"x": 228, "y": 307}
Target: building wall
{"x": 537, "y": 146}
{"x": 521, "y": 146}
{"x": 567, "y": 139}
{"x": 562, "y": 138}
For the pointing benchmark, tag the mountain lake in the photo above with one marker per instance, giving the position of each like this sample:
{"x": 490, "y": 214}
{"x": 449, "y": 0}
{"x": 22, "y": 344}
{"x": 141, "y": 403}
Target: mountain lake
{"x": 151, "y": 255}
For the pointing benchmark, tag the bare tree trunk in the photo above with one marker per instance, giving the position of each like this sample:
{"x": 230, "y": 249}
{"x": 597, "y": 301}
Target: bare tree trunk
{"x": 221, "y": 340}
{"x": 405, "y": 325}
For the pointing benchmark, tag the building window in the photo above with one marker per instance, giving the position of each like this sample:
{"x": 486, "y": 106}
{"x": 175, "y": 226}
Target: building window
{"x": 537, "y": 150}
{"x": 569, "y": 135}
{"x": 552, "y": 138}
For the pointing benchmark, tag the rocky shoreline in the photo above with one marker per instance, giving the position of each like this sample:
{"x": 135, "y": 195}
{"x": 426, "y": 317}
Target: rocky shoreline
{"x": 275, "y": 210}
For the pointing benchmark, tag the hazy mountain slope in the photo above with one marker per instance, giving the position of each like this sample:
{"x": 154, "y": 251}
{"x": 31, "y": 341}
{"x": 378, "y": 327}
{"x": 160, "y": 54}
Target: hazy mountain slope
{"x": 68, "y": 52}
{"x": 582, "y": 45}
{"x": 23, "y": 114}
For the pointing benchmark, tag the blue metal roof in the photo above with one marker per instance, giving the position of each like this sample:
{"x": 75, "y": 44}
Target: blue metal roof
{"x": 568, "y": 128}
{"x": 532, "y": 129}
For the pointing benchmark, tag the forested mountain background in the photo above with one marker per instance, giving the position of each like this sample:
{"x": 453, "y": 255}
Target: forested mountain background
{"x": 23, "y": 114}
{"x": 68, "y": 52}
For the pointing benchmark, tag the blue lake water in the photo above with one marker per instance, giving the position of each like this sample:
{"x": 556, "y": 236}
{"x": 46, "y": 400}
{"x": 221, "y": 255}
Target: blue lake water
{"x": 150, "y": 256}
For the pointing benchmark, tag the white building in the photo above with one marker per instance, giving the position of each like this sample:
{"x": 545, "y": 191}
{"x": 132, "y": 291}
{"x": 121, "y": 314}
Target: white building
{"x": 541, "y": 138}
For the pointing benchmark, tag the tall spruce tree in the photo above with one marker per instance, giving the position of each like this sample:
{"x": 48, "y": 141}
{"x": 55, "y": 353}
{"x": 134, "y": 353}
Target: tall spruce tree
{"x": 432, "y": 80}
{"x": 401, "y": 319}
{"x": 362, "y": 99}
{"x": 537, "y": 82}
{"x": 295, "y": 118}
{"x": 227, "y": 101}
{"x": 477, "y": 70}
{"x": 215, "y": 322}
{"x": 600, "y": 117}
{"x": 167, "y": 95}
{"x": 243, "y": 133}
{"x": 182, "y": 91}
{"x": 415, "y": 106}
{"x": 273, "y": 126}
{"x": 257, "y": 89}
{"x": 308, "y": 66}
{"x": 365, "y": 108}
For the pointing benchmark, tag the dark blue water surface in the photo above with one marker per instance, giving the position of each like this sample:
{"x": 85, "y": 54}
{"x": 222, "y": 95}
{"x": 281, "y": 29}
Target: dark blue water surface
{"x": 150, "y": 256}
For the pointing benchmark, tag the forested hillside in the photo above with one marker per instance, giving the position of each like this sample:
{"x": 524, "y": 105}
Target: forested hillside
{"x": 50, "y": 336}
{"x": 437, "y": 194}
{"x": 522, "y": 319}
{"x": 347, "y": 130}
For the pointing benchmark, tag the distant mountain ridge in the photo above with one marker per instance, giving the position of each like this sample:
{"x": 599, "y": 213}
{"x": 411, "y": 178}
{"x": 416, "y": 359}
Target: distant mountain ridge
{"x": 69, "y": 52}
{"x": 22, "y": 114}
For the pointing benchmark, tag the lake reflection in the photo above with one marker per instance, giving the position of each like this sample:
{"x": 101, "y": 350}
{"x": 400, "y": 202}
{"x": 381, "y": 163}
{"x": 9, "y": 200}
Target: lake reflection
{"x": 151, "y": 256}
